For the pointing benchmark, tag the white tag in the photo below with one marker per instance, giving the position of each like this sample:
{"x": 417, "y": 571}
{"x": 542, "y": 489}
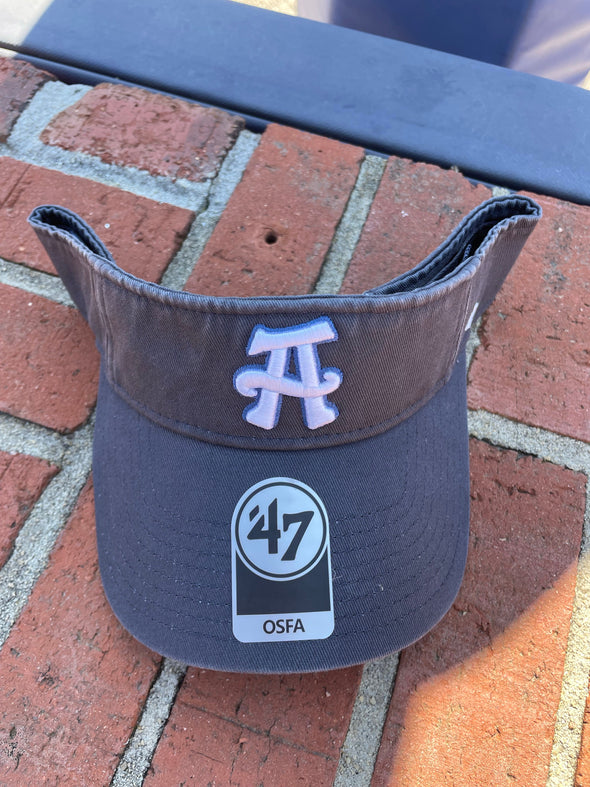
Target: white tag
{"x": 471, "y": 316}
{"x": 281, "y": 569}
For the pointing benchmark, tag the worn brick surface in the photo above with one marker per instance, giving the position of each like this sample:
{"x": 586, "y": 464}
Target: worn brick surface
{"x": 583, "y": 770}
{"x": 415, "y": 208}
{"x": 142, "y": 235}
{"x": 475, "y": 700}
{"x": 533, "y": 364}
{"x": 134, "y": 127}
{"x": 48, "y": 359}
{"x": 260, "y": 729}
{"x": 22, "y": 479}
{"x": 278, "y": 225}
{"x": 207, "y": 751}
{"x": 72, "y": 681}
{"x": 19, "y": 81}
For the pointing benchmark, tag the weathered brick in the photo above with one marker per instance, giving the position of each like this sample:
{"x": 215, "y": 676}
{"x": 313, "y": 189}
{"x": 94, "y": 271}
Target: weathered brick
{"x": 475, "y": 700}
{"x": 277, "y": 228}
{"x": 136, "y": 128}
{"x": 11, "y": 172}
{"x": 22, "y": 479}
{"x": 416, "y": 206}
{"x": 142, "y": 235}
{"x": 49, "y": 361}
{"x": 72, "y": 681}
{"x": 533, "y": 364}
{"x": 19, "y": 81}
{"x": 583, "y": 769}
{"x": 260, "y": 729}
{"x": 202, "y": 749}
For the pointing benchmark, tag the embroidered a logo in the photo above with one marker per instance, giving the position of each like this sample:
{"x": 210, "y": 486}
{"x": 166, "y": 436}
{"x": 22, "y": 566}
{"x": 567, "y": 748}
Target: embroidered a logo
{"x": 271, "y": 382}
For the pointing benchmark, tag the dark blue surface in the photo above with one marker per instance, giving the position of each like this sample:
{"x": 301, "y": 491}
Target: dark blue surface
{"x": 483, "y": 31}
{"x": 540, "y": 37}
{"x": 496, "y": 125}
{"x": 398, "y": 506}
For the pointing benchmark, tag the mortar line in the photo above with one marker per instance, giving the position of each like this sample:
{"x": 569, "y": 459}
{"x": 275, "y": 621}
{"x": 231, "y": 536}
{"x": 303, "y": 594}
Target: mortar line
{"x": 38, "y": 535}
{"x": 25, "y": 437}
{"x": 24, "y": 144}
{"x": 142, "y": 744}
{"x": 363, "y": 739}
{"x": 36, "y": 282}
{"x": 222, "y": 188}
{"x": 350, "y": 226}
{"x": 539, "y": 442}
{"x": 473, "y": 342}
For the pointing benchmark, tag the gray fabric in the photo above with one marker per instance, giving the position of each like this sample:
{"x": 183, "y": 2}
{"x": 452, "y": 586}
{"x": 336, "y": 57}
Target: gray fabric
{"x": 173, "y": 355}
{"x": 397, "y": 501}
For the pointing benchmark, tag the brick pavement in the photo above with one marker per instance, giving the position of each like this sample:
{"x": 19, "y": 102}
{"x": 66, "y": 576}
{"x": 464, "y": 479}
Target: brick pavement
{"x": 496, "y": 693}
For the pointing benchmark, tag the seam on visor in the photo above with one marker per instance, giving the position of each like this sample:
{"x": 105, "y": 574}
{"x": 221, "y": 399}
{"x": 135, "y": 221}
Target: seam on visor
{"x": 171, "y": 626}
{"x": 107, "y": 270}
{"x": 98, "y": 287}
{"x": 278, "y": 443}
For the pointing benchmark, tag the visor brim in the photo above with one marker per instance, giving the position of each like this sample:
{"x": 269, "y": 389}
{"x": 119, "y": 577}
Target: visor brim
{"x": 398, "y": 508}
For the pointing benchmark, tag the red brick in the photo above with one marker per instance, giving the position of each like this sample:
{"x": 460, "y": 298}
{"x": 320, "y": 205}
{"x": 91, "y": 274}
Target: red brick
{"x": 11, "y": 172}
{"x": 308, "y": 710}
{"x": 72, "y": 681}
{"x": 583, "y": 769}
{"x": 275, "y": 232}
{"x": 475, "y": 700}
{"x": 207, "y": 751}
{"x": 19, "y": 81}
{"x": 416, "y": 206}
{"x": 22, "y": 479}
{"x": 135, "y": 128}
{"x": 258, "y": 729}
{"x": 142, "y": 235}
{"x": 49, "y": 361}
{"x": 534, "y": 360}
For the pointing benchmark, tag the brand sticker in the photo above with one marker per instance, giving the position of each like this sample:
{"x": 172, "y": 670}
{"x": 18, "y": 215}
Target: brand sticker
{"x": 281, "y": 570}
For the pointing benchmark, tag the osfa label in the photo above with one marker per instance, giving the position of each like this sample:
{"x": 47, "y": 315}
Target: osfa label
{"x": 281, "y": 571}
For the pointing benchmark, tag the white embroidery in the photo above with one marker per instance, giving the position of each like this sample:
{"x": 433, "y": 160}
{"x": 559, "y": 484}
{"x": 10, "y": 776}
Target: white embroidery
{"x": 271, "y": 382}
